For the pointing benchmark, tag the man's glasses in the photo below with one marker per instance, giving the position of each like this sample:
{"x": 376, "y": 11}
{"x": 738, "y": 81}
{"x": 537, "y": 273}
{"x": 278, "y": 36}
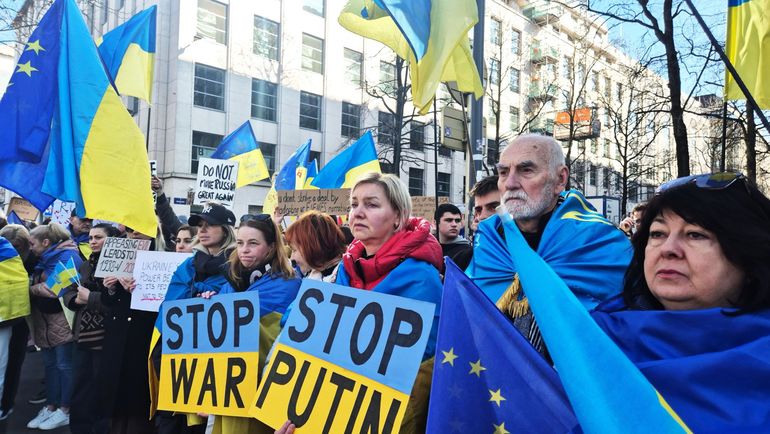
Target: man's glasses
{"x": 709, "y": 181}
{"x": 256, "y": 217}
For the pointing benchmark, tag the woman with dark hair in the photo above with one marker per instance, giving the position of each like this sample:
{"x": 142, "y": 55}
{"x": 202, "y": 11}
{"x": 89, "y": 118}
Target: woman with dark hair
{"x": 259, "y": 264}
{"x": 317, "y": 244}
{"x": 694, "y": 315}
{"x": 85, "y": 300}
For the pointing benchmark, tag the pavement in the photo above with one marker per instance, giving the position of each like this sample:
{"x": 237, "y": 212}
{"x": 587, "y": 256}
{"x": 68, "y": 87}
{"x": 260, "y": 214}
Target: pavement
{"x": 23, "y": 412}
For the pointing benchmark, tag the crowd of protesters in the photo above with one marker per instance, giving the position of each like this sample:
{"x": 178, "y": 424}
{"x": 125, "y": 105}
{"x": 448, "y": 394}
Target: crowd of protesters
{"x": 701, "y": 247}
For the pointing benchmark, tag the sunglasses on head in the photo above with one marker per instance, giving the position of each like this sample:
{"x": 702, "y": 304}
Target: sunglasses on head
{"x": 708, "y": 181}
{"x": 256, "y": 217}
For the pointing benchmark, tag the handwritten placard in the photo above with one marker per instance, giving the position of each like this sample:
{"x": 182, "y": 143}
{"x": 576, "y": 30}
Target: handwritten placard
{"x": 210, "y": 354}
{"x": 425, "y": 206}
{"x": 119, "y": 256}
{"x": 22, "y": 208}
{"x": 345, "y": 361}
{"x": 216, "y": 182}
{"x": 330, "y": 201}
{"x": 152, "y": 273}
{"x": 60, "y": 212}
{"x": 154, "y": 167}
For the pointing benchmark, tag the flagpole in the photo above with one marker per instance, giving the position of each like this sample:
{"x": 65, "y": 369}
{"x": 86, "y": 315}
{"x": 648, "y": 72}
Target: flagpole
{"x": 435, "y": 151}
{"x": 147, "y": 135}
{"x": 722, "y": 163}
{"x": 728, "y": 65}
{"x": 476, "y": 140}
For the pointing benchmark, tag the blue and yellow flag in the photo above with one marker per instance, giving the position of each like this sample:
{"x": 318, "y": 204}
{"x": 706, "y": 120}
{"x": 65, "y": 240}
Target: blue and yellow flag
{"x": 748, "y": 48}
{"x": 607, "y": 391}
{"x": 241, "y": 145}
{"x": 14, "y": 283}
{"x": 128, "y": 52}
{"x": 62, "y": 277}
{"x": 312, "y": 172}
{"x": 88, "y": 148}
{"x": 487, "y": 378}
{"x": 432, "y": 35}
{"x": 291, "y": 177}
{"x": 14, "y": 219}
{"x": 346, "y": 168}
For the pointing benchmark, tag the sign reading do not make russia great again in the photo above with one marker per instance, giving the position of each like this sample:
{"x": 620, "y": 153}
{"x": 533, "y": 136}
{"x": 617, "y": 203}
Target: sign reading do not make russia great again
{"x": 210, "y": 354}
{"x": 345, "y": 361}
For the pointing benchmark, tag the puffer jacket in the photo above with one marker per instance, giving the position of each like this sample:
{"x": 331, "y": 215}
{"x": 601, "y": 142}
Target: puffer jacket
{"x": 48, "y": 321}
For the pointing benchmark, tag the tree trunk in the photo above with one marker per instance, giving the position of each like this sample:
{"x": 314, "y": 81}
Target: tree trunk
{"x": 675, "y": 86}
{"x": 751, "y": 145}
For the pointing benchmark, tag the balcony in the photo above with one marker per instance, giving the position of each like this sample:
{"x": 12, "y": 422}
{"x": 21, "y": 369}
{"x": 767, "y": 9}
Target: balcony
{"x": 540, "y": 54}
{"x": 542, "y": 92}
{"x": 540, "y": 126}
{"x": 543, "y": 12}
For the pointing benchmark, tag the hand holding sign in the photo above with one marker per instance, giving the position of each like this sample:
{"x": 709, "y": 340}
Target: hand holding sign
{"x": 345, "y": 361}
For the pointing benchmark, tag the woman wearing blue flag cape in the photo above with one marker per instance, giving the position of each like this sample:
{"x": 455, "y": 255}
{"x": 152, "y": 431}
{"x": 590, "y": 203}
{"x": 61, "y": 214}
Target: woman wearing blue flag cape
{"x": 694, "y": 315}
{"x": 259, "y": 263}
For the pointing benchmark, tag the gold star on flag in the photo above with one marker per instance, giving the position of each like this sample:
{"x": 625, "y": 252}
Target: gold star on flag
{"x": 500, "y": 429}
{"x": 476, "y": 368}
{"x": 496, "y": 397}
{"x": 35, "y": 46}
{"x": 26, "y": 68}
{"x": 449, "y": 356}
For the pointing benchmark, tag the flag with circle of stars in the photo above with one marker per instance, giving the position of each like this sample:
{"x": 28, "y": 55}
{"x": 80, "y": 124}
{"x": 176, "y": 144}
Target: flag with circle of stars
{"x": 487, "y": 378}
{"x": 28, "y": 104}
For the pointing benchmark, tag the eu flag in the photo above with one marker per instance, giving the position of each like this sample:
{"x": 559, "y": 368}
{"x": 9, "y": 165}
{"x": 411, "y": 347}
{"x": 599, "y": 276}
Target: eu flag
{"x": 487, "y": 378}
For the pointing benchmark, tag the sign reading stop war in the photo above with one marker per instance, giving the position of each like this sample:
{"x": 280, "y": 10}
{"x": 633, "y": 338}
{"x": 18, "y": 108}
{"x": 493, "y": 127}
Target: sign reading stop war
{"x": 216, "y": 182}
{"x": 210, "y": 353}
{"x": 345, "y": 361}
{"x": 119, "y": 256}
{"x": 334, "y": 201}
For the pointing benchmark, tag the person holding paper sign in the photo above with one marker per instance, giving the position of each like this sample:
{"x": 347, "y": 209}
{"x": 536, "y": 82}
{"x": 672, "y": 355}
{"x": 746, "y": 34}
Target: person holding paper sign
{"x": 52, "y": 244}
{"x": 85, "y": 300}
{"x": 259, "y": 264}
{"x": 317, "y": 245}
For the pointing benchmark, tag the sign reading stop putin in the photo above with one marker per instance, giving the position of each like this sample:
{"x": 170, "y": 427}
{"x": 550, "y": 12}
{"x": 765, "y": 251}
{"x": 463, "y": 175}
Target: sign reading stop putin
{"x": 345, "y": 361}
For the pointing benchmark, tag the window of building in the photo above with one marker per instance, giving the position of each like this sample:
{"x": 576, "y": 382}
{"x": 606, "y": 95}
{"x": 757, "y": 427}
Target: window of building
{"x": 310, "y": 111}
{"x": 566, "y": 68}
{"x": 351, "y": 120}
{"x": 579, "y": 173}
{"x": 416, "y": 135}
{"x": 515, "y": 42}
{"x": 444, "y": 151}
{"x": 268, "y": 153}
{"x": 443, "y": 184}
{"x": 607, "y": 88}
{"x": 314, "y": 155}
{"x": 493, "y": 152}
{"x": 619, "y": 93}
{"x": 264, "y": 99}
{"x": 415, "y": 182}
{"x": 514, "y": 111}
{"x": 209, "y": 87}
{"x": 595, "y": 81}
{"x": 494, "y": 71}
{"x": 595, "y": 146}
{"x": 353, "y": 62}
{"x": 212, "y": 21}
{"x": 314, "y": 7}
{"x": 495, "y": 31}
{"x": 312, "y": 53}
{"x": 105, "y": 12}
{"x": 266, "y": 40}
{"x": 593, "y": 174}
{"x": 606, "y": 145}
{"x": 203, "y": 145}
{"x": 387, "y": 77}
{"x": 385, "y": 128}
{"x": 515, "y": 80}
{"x": 606, "y": 179}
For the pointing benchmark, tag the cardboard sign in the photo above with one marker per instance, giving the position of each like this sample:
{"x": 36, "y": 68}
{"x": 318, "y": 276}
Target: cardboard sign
{"x": 216, "y": 181}
{"x": 60, "y": 212}
{"x": 153, "y": 167}
{"x": 22, "y": 208}
{"x": 118, "y": 257}
{"x": 210, "y": 354}
{"x": 345, "y": 361}
{"x": 332, "y": 201}
{"x": 152, "y": 273}
{"x": 425, "y": 206}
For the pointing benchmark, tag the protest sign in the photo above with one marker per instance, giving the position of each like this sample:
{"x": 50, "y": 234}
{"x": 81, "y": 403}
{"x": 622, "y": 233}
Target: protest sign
{"x": 210, "y": 354}
{"x": 345, "y": 361}
{"x": 118, "y": 257}
{"x": 60, "y": 212}
{"x": 153, "y": 167}
{"x": 152, "y": 273}
{"x": 216, "y": 181}
{"x": 22, "y": 208}
{"x": 332, "y": 201}
{"x": 425, "y": 206}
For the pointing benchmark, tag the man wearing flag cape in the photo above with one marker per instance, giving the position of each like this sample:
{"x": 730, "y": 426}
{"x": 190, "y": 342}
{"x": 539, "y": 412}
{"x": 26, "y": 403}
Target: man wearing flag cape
{"x": 577, "y": 242}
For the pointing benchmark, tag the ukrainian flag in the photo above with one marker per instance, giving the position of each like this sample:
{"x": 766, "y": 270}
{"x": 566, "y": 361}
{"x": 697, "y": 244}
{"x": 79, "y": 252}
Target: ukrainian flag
{"x": 291, "y": 177}
{"x": 748, "y": 48}
{"x": 88, "y": 148}
{"x": 14, "y": 283}
{"x": 128, "y": 52}
{"x": 242, "y": 146}
{"x": 432, "y": 35}
{"x": 62, "y": 277}
{"x": 607, "y": 391}
{"x": 312, "y": 172}
{"x": 351, "y": 164}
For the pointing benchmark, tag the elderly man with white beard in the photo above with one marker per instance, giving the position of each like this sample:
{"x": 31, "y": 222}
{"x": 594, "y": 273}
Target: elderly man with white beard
{"x": 579, "y": 244}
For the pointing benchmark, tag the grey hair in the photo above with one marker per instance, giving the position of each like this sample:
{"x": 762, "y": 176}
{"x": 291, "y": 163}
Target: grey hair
{"x": 555, "y": 153}
{"x": 395, "y": 191}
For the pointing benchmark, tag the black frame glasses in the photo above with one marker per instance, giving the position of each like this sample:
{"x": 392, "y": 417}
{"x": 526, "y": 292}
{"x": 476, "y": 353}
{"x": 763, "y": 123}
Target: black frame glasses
{"x": 708, "y": 181}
